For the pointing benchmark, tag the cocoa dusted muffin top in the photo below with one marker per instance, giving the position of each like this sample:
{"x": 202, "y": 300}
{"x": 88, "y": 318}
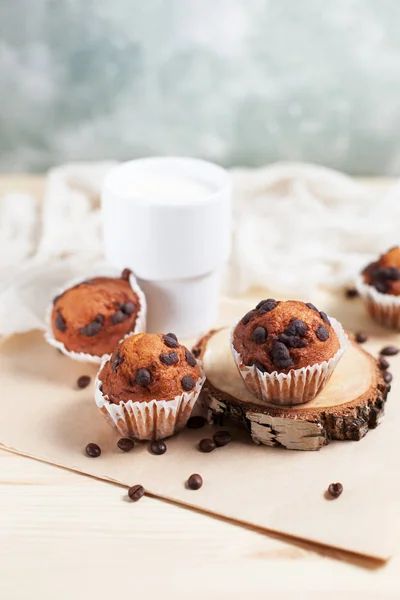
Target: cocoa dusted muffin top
{"x": 149, "y": 366}
{"x": 384, "y": 273}
{"x": 281, "y": 336}
{"x": 94, "y": 315}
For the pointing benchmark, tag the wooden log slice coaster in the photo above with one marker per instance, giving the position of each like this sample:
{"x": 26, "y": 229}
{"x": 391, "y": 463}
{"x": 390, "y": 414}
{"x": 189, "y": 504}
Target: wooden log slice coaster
{"x": 350, "y": 404}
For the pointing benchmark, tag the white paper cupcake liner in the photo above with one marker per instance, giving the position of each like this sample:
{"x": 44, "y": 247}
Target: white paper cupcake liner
{"x": 140, "y": 323}
{"x": 299, "y": 385}
{"x": 153, "y": 420}
{"x": 383, "y": 308}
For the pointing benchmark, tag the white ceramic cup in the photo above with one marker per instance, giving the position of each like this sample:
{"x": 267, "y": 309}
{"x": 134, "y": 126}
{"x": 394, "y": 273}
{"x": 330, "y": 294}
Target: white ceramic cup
{"x": 169, "y": 220}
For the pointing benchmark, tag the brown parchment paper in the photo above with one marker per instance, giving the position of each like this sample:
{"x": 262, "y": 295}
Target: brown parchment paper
{"x": 43, "y": 415}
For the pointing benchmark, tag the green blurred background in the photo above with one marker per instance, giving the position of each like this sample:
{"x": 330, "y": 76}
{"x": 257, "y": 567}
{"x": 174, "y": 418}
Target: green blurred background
{"x": 241, "y": 82}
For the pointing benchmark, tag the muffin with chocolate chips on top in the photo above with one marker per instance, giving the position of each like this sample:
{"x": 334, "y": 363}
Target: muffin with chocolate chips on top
{"x": 89, "y": 318}
{"x": 286, "y": 351}
{"x": 149, "y": 385}
{"x": 379, "y": 287}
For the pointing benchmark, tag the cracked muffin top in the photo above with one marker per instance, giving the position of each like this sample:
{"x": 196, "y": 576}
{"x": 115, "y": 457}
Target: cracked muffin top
{"x": 384, "y": 273}
{"x": 282, "y": 336}
{"x": 149, "y": 366}
{"x": 94, "y": 315}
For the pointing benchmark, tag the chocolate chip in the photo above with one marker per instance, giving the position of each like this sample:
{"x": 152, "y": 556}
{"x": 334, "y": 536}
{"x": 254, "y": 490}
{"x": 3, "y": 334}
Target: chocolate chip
{"x": 361, "y": 337}
{"x": 93, "y": 450}
{"x": 188, "y": 383}
{"x": 311, "y": 305}
{"x": 60, "y": 322}
{"x": 126, "y": 273}
{"x": 207, "y": 445}
{"x": 324, "y": 317}
{"x": 248, "y": 316}
{"x": 136, "y": 492}
{"x": 190, "y": 359}
{"x": 169, "y": 359}
{"x": 196, "y": 422}
{"x": 280, "y": 356}
{"x": 383, "y": 363}
{"x": 128, "y": 308}
{"x": 296, "y": 327}
{"x": 92, "y": 329}
{"x": 267, "y": 306}
{"x": 118, "y": 317}
{"x": 351, "y": 293}
{"x": 259, "y": 366}
{"x": 387, "y": 378}
{"x": 195, "y": 481}
{"x": 259, "y": 335}
{"x": 389, "y": 351}
{"x": 158, "y": 447}
{"x": 222, "y": 438}
{"x": 169, "y": 341}
{"x": 83, "y": 381}
{"x": 381, "y": 286}
{"x": 172, "y": 335}
{"x": 322, "y": 333}
{"x": 335, "y": 489}
{"x": 126, "y": 444}
{"x": 259, "y": 305}
{"x": 117, "y": 360}
{"x": 292, "y": 341}
{"x": 143, "y": 377}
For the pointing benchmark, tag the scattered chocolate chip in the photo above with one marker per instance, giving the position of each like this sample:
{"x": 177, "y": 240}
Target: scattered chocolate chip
{"x": 126, "y": 273}
{"x": 380, "y": 286}
{"x": 335, "y": 489}
{"x": 83, "y": 381}
{"x": 93, "y": 450}
{"x": 172, "y": 335}
{"x": 259, "y": 335}
{"x": 387, "y": 377}
{"x": 116, "y": 361}
{"x": 351, "y": 293}
{"x": 118, "y": 317}
{"x": 322, "y": 333}
{"x": 158, "y": 447}
{"x": 92, "y": 329}
{"x": 169, "y": 359}
{"x": 60, "y": 322}
{"x": 280, "y": 356}
{"x": 169, "y": 341}
{"x": 259, "y": 305}
{"x": 222, "y": 438}
{"x": 196, "y": 422}
{"x": 248, "y": 316}
{"x": 143, "y": 377}
{"x": 99, "y": 319}
{"x": 311, "y": 305}
{"x": 389, "y": 351}
{"x": 128, "y": 308}
{"x": 207, "y": 445}
{"x": 190, "y": 359}
{"x": 383, "y": 363}
{"x": 292, "y": 341}
{"x": 136, "y": 492}
{"x": 324, "y": 317}
{"x": 296, "y": 327}
{"x": 267, "y": 306}
{"x": 259, "y": 366}
{"x": 126, "y": 444}
{"x": 188, "y": 383}
{"x": 361, "y": 337}
{"x": 195, "y": 481}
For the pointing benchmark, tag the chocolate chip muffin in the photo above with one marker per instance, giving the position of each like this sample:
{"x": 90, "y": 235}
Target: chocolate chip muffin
{"x": 280, "y": 336}
{"x": 152, "y": 381}
{"x": 384, "y": 273}
{"x": 91, "y": 317}
{"x": 286, "y": 351}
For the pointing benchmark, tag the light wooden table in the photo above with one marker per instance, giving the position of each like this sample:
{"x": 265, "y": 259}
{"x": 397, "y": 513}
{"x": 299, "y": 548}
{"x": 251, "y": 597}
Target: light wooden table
{"x": 65, "y": 536}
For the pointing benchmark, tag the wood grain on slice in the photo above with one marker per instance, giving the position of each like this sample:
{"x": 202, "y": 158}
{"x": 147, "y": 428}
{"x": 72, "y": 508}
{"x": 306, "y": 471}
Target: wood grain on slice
{"x": 350, "y": 404}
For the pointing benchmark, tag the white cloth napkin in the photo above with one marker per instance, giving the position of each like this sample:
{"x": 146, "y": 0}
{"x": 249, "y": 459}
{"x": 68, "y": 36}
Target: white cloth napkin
{"x": 297, "y": 227}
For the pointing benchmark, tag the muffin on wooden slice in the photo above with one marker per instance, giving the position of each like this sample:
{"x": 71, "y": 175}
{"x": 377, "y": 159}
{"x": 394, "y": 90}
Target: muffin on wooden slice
{"x": 286, "y": 351}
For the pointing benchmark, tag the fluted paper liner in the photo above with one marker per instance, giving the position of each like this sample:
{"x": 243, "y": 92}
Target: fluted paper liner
{"x": 153, "y": 420}
{"x": 296, "y": 387}
{"x": 139, "y": 326}
{"x": 383, "y": 308}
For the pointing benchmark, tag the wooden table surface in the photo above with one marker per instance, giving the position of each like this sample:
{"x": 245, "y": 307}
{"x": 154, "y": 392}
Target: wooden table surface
{"x": 65, "y": 536}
